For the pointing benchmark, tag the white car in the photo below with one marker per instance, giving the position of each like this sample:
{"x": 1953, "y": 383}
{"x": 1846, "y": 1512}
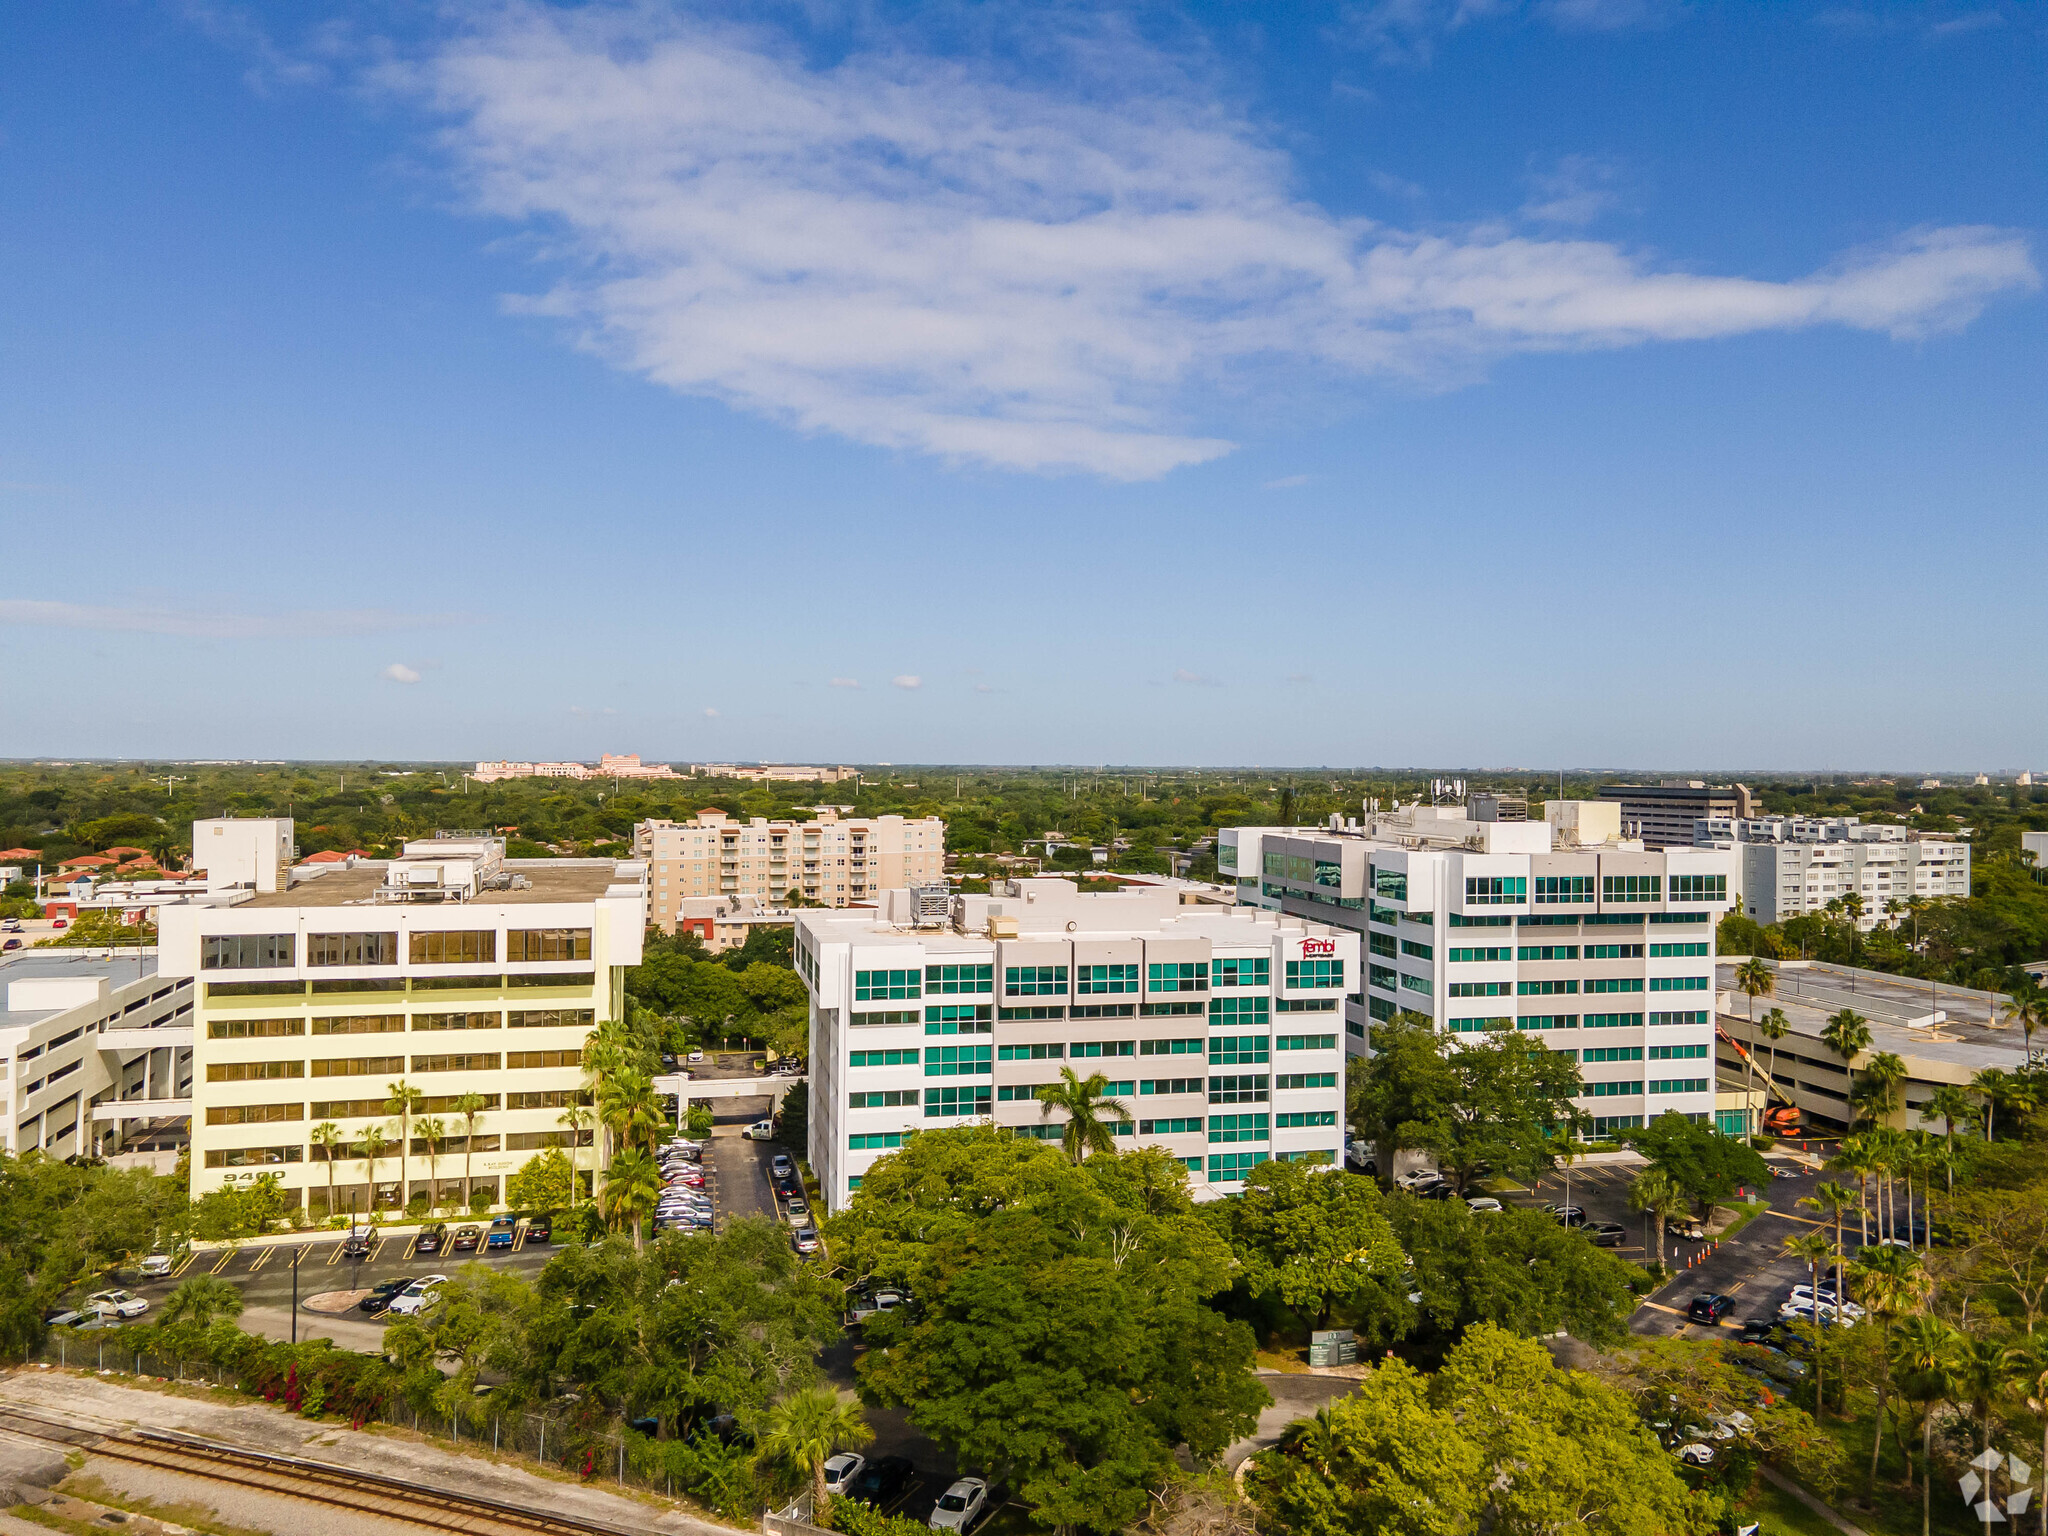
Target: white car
{"x": 961, "y": 1506}
{"x": 841, "y": 1470}
{"x": 695, "y": 1056}
{"x": 1481, "y": 1204}
{"x": 156, "y": 1266}
{"x": 1418, "y": 1178}
{"x": 418, "y": 1296}
{"x": 1822, "y": 1312}
{"x": 116, "y": 1304}
{"x": 760, "y": 1130}
{"x": 1697, "y": 1454}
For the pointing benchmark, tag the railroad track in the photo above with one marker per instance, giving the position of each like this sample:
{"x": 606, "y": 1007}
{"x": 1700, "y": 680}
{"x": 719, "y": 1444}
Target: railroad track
{"x": 298, "y": 1477}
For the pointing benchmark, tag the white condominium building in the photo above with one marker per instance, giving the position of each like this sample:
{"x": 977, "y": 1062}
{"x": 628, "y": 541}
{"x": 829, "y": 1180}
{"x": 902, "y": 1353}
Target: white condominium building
{"x": 450, "y": 969}
{"x": 827, "y": 861}
{"x": 1217, "y": 1027}
{"x": 1557, "y": 927}
{"x": 1788, "y": 865}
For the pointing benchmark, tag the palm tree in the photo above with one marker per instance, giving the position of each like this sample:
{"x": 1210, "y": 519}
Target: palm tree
{"x": 1983, "y": 1369}
{"x": 1857, "y": 1155}
{"x": 200, "y": 1300}
{"x": 403, "y": 1100}
{"x": 1847, "y": 1034}
{"x": 632, "y": 1185}
{"x": 1774, "y": 1026}
{"x": 471, "y": 1107}
{"x": 1831, "y": 1200}
{"x": 1883, "y": 1075}
{"x": 1889, "y": 1281}
{"x": 373, "y": 1145}
{"x": 2000, "y": 1088}
{"x": 1921, "y": 1353}
{"x": 1085, "y": 1106}
{"x": 1756, "y": 980}
{"x": 433, "y": 1131}
{"x": 1814, "y": 1251}
{"x": 1313, "y": 1440}
{"x": 2034, "y": 1373}
{"x": 1655, "y": 1191}
{"x": 806, "y": 1430}
{"x": 1948, "y": 1104}
{"x": 328, "y": 1138}
{"x": 577, "y": 1119}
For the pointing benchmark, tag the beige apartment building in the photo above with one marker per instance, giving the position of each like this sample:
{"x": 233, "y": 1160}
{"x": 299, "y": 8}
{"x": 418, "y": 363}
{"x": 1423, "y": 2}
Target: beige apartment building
{"x": 826, "y": 860}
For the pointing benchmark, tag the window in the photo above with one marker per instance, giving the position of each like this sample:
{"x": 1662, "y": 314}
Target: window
{"x": 1614, "y": 951}
{"x": 254, "y": 1157}
{"x": 1239, "y": 1012}
{"x": 1615, "y": 1090}
{"x": 1382, "y": 944}
{"x": 1677, "y": 951}
{"x": 1417, "y": 951}
{"x": 253, "y": 1029}
{"x": 1391, "y": 884}
{"x": 1548, "y": 1021}
{"x": 1245, "y": 1088}
{"x": 255, "y": 1114}
{"x": 1296, "y": 1119}
{"x": 1604, "y": 1125}
{"x": 1699, "y": 1017}
{"x": 1251, "y": 971}
{"x": 1231, "y": 1167}
{"x": 1315, "y": 975}
{"x": 1304, "y": 1042}
{"x": 1035, "y": 1013}
{"x": 430, "y": 1021}
{"x": 1169, "y": 1047}
{"x": 1102, "y": 1011}
{"x": 472, "y": 1062}
{"x": 950, "y": 980}
{"x": 1678, "y": 1053}
{"x": 1089, "y": 1048}
{"x": 1178, "y": 1127}
{"x": 1680, "y": 983}
{"x": 522, "y": 1059}
{"x": 1613, "y": 920}
{"x": 1382, "y": 976}
{"x": 958, "y": 1060}
{"x": 528, "y": 945}
{"x": 244, "y": 951}
{"x": 1678, "y": 917}
{"x": 1177, "y": 976}
{"x": 1479, "y": 1026}
{"x": 547, "y": 1098}
{"x": 258, "y": 1071}
{"x": 1481, "y": 920}
{"x": 1631, "y": 888}
{"x": 454, "y": 948}
{"x": 1495, "y": 890}
{"x": 1229, "y": 1128}
{"x": 1237, "y": 1050}
{"x": 1311, "y": 1004}
{"x": 1106, "y": 979}
{"x": 907, "y": 1058}
{"x": 1615, "y": 984}
{"x": 255, "y": 988}
{"x": 1021, "y": 1092}
{"x": 1175, "y": 1010}
{"x": 1614, "y": 1021}
{"x": 1380, "y": 914}
{"x": 1155, "y": 1085}
{"x": 1546, "y": 988}
{"x": 1030, "y": 1052}
{"x": 1678, "y": 1085}
{"x": 529, "y": 1141}
{"x": 959, "y": 1019}
{"x": 1482, "y": 989}
{"x": 1034, "y": 981}
{"x": 884, "y": 986}
{"x": 1287, "y": 1080}
{"x": 345, "y": 1109}
{"x": 1546, "y": 952}
{"x": 1699, "y": 887}
{"x": 1558, "y": 890}
{"x": 1613, "y": 1053}
{"x": 552, "y": 1018}
{"x": 351, "y": 949}
{"x": 1548, "y": 920}
{"x": 876, "y": 1142}
{"x": 893, "y": 1016}
{"x": 1380, "y": 1008}
{"x": 972, "y": 1100}
{"x": 1463, "y": 956}
{"x": 553, "y": 979}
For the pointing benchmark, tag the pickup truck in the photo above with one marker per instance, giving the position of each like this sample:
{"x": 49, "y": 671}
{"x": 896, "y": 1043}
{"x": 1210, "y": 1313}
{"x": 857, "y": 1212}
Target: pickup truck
{"x": 499, "y": 1238}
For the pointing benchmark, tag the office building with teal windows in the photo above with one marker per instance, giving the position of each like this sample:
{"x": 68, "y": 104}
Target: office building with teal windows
{"x": 1561, "y": 928}
{"x": 1219, "y": 1028}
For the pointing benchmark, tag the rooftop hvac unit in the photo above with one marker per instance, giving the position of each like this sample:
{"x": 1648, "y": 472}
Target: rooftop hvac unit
{"x": 931, "y": 906}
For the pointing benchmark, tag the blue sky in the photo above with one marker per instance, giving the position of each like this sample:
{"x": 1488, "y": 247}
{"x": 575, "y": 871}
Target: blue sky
{"x": 1588, "y": 382}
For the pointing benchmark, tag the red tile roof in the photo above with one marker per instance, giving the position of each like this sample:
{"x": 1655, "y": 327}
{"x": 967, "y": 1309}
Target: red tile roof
{"x": 21, "y": 853}
{"x": 89, "y": 860}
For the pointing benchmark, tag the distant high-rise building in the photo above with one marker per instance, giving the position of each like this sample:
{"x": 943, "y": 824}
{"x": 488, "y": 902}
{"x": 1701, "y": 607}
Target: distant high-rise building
{"x": 1789, "y": 865}
{"x": 827, "y": 861}
{"x": 1662, "y": 814}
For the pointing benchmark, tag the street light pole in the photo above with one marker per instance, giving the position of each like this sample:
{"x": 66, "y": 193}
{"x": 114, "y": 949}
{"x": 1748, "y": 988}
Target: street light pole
{"x": 295, "y": 1293}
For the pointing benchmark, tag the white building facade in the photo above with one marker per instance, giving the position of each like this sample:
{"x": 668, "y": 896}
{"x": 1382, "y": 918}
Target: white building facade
{"x": 829, "y": 861}
{"x": 1219, "y": 1028}
{"x": 1559, "y": 928}
{"x": 1787, "y": 866}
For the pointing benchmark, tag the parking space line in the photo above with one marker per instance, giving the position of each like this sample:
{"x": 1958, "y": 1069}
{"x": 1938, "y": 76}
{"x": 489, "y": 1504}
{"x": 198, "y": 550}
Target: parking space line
{"x": 227, "y": 1257}
{"x": 262, "y": 1259}
{"x": 191, "y": 1258}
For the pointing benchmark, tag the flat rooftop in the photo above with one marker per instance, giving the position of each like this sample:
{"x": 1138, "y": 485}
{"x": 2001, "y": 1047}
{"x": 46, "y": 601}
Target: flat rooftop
{"x": 30, "y": 964}
{"x": 1219, "y": 925}
{"x": 1974, "y": 1035}
{"x": 551, "y": 880}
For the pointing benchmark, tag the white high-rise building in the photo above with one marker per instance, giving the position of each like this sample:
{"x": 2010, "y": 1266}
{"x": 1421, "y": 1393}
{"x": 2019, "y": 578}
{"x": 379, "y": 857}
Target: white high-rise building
{"x": 1786, "y": 866}
{"x": 1558, "y": 927}
{"x": 1219, "y": 1027}
{"x": 828, "y": 861}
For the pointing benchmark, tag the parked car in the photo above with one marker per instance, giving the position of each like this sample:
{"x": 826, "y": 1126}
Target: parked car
{"x": 418, "y": 1296}
{"x": 1758, "y": 1330}
{"x": 1419, "y": 1176}
{"x": 466, "y": 1238}
{"x": 799, "y": 1208}
{"x": 882, "y": 1481}
{"x": 503, "y": 1230}
{"x": 806, "y": 1239}
{"x": 60, "y": 922}
{"x": 541, "y": 1228}
{"x": 358, "y": 1243}
{"x": 1483, "y": 1205}
{"x": 962, "y": 1506}
{"x": 1686, "y": 1227}
{"x": 760, "y": 1130}
{"x": 841, "y": 1470}
{"x": 10, "y": 944}
{"x": 121, "y": 1304}
{"x": 695, "y": 1056}
{"x": 1825, "y": 1291}
{"x": 379, "y": 1295}
{"x": 781, "y": 1162}
{"x": 156, "y": 1266}
{"x": 1820, "y": 1313}
{"x": 1710, "y": 1308}
{"x": 1696, "y": 1454}
{"x": 431, "y": 1240}
{"x": 63, "y": 1317}
{"x": 1605, "y": 1234}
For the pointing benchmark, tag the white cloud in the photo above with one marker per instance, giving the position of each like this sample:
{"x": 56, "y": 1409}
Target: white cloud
{"x": 921, "y": 253}
{"x": 148, "y": 620}
{"x": 845, "y": 682}
{"x": 1971, "y": 21}
{"x": 1288, "y": 482}
{"x": 1577, "y": 189}
{"x": 585, "y": 712}
{"x": 907, "y": 680}
{"x": 710, "y": 714}
{"x": 1197, "y": 679}
{"x": 399, "y": 672}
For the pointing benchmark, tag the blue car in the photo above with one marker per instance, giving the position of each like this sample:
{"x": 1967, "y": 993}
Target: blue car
{"x": 501, "y": 1233}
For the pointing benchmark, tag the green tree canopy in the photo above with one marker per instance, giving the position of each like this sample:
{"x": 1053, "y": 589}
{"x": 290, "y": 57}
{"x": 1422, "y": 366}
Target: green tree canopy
{"x": 1705, "y": 1165}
